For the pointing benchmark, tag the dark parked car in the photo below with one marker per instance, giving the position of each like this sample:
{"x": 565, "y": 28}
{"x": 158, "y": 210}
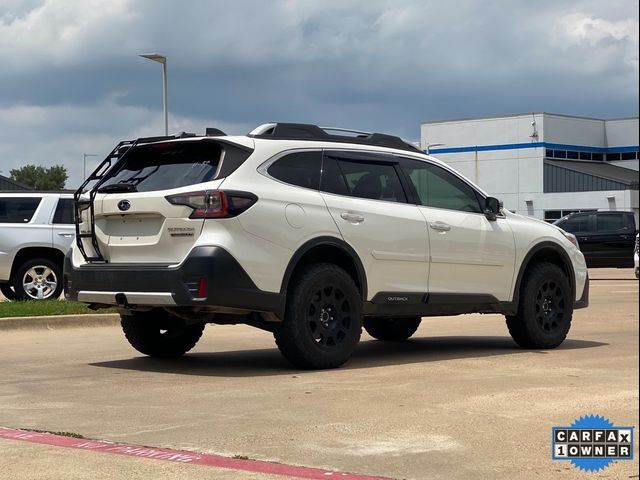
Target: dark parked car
{"x": 606, "y": 238}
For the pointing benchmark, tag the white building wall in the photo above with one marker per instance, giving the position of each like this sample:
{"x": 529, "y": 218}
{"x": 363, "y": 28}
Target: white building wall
{"x": 574, "y": 130}
{"x": 622, "y": 133}
{"x": 630, "y": 164}
{"x": 485, "y": 131}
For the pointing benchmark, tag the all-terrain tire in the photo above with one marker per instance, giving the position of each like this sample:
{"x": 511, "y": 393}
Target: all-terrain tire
{"x": 391, "y": 329}
{"x": 545, "y": 308}
{"x": 323, "y": 318}
{"x": 159, "y": 334}
{"x": 38, "y": 279}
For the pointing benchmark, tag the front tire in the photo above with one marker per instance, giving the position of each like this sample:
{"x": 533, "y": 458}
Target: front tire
{"x": 159, "y": 334}
{"x": 323, "y": 318}
{"x": 391, "y": 329}
{"x": 38, "y": 279}
{"x": 545, "y": 310}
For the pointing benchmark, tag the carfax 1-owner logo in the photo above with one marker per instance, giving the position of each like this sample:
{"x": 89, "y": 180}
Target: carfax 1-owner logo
{"x": 591, "y": 443}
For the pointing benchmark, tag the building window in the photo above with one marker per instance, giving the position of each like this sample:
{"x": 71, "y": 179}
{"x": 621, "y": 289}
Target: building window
{"x": 628, "y": 156}
{"x": 585, "y": 156}
{"x": 552, "y": 215}
{"x": 572, "y": 155}
{"x": 597, "y": 156}
{"x": 613, "y": 156}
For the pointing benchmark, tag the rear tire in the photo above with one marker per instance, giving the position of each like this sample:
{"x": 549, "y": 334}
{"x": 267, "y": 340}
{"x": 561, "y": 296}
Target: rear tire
{"x": 8, "y": 292}
{"x": 391, "y": 329}
{"x": 158, "y": 334}
{"x": 545, "y": 310}
{"x": 323, "y": 318}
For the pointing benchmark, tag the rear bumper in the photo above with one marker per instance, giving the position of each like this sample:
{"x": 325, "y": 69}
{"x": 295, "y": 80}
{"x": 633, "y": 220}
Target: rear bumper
{"x": 227, "y": 283}
{"x": 583, "y": 302}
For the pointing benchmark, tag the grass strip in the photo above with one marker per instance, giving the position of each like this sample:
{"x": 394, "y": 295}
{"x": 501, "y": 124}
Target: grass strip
{"x": 41, "y": 308}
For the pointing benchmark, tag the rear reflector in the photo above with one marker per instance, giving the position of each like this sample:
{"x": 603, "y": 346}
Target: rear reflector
{"x": 203, "y": 287}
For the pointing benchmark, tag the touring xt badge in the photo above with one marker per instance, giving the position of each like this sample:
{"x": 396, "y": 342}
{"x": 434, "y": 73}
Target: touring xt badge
{"x": 181, "y": 231}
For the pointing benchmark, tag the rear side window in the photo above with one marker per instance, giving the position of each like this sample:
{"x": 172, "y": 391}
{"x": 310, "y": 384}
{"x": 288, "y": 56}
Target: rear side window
{"x": 163, "y": 166}
{"x": 64, "y": 211}
{"x": 612, "y": 222}
{"x": 438, "y": 188}
{"x": 18, "y": 210}
{"x": 332, "y": 180}
{"x": 577, "y": 224}
{"x": 375, "y": 181}
{"x": 300, "y": 168}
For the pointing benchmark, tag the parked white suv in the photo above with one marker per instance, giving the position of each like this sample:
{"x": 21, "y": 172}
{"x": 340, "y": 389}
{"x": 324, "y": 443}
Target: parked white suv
{"x": 36, "y": 230}
{"x": 311, "y": 234}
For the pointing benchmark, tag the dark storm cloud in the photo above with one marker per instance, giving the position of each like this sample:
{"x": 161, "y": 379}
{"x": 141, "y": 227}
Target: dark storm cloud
{"x": 71, "y": 72}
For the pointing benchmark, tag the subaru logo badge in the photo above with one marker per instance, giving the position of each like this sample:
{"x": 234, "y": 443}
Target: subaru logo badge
{"x": 124, "y": 205}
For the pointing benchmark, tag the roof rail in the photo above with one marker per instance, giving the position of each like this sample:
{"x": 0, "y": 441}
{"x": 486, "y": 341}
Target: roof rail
{"x": 304, "y": 131}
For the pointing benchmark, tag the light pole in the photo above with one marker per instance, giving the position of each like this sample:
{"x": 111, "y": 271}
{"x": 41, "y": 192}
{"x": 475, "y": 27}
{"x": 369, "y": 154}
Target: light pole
{"x": 156, "y": 57}
{"x": 84, "y": 163}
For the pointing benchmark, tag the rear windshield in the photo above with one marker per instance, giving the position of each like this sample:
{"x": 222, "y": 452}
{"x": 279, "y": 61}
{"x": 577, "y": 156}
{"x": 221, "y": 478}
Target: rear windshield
{"x": 18, "y": 209}
{"x": 163, "y": 166}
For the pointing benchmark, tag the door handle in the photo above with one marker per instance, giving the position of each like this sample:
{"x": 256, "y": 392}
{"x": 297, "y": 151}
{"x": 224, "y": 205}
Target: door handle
{"x": 352, "y": 217}
{"x": 65, "y": 235}
{"x": 440, "y": 226}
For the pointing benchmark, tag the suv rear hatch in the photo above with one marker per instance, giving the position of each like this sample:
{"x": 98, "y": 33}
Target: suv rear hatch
{"x": 135, "y": 221}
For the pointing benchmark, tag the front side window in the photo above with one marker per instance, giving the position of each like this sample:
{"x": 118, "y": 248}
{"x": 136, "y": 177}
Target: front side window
{"x": 17, "y": 209}
{"x": 299, "y": 168}
{"x": 438, "y": 188}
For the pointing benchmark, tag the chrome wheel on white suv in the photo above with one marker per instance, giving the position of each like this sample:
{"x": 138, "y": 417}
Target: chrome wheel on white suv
{"x": 38, "y": 279}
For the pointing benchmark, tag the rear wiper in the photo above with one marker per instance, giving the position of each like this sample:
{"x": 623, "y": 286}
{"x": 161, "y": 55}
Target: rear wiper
{"x": 118, "y": 187}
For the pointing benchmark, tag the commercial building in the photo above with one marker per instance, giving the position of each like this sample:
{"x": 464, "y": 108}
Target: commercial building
{"x": 541, "y": 164}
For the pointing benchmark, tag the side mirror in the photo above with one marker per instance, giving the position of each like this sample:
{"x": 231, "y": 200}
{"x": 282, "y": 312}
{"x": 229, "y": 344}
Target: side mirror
{"x": 492, "y": 208}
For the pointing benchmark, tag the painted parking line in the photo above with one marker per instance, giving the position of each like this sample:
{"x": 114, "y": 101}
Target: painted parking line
{"x": 178, "y": 456}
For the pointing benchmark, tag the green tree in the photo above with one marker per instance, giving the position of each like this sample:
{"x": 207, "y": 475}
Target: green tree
{"x": 40, "y": 178}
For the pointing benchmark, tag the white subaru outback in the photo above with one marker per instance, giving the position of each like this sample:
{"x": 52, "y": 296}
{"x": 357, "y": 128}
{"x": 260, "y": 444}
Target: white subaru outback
{"x": 309, "y": 233}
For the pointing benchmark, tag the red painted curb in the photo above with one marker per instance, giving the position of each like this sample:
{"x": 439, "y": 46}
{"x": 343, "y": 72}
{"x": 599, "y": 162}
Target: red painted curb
{"x": 179, "y": 456}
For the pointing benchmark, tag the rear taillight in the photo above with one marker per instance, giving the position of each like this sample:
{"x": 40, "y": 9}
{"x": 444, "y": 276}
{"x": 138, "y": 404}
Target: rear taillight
{"x": 214, "y": 203}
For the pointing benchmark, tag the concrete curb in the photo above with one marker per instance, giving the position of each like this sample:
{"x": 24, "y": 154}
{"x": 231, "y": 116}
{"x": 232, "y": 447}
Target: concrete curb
{"x": 60, "y": 321}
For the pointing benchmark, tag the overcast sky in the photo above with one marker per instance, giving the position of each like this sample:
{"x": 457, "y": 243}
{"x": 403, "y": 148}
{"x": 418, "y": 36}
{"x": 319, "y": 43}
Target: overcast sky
{"x": 71, "y": 81}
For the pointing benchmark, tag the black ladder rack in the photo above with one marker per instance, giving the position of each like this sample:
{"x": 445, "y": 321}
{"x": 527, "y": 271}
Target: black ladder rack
{"x": 81, "y": 202}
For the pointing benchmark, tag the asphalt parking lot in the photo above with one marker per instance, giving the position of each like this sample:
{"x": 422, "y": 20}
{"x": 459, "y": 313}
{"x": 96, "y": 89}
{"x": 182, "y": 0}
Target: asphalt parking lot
{"x": 459, "y": 400}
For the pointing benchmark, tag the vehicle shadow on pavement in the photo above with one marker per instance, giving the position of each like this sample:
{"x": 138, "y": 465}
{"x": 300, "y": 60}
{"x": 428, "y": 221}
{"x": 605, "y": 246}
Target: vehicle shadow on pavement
{"x": 369, "y": 354}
